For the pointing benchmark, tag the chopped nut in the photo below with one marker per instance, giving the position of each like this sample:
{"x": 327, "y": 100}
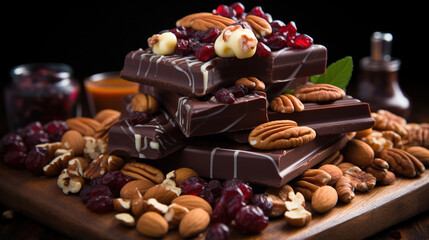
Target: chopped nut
{"x": 360, "y": 180}
{"x": 125, "y": 219}
{"x": 345, "y": 190}
{"x": 59, "y": 162}
{"x": 174, "y": 214}
{"x": 114, "y": 163}
{"x": 281, "y": 192}
{"x": 97, "y": 168}
{"x": 93, "y": 147}
{"x": 279, "y": 206}
{"x": 121, "y": 204}
{"x": 385, "y": 120}
{"x": 296, "y": 215}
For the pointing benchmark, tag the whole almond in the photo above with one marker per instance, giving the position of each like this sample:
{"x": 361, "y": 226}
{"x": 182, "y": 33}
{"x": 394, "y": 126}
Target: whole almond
{"x": 182, "y": 174}
{"x": 324, "y": 199}
{"x": 152, "y": 224}
{"x": 74, "y": 140}
{"x": 135, "y": 188}
{"x": 333, "y": 170}
{"x": 161, "y": 193}
{"x": 191, "y": 202}
{"x": 359, "y": 153}
{"x": 194, "y": 222}
{"x": 174, "y": 215}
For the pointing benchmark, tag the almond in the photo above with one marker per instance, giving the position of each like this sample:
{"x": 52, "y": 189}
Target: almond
{"x": 359, "y": 153}
{"x": 194, "y": 222}
{"x": 191, "y": 202}
{"x": 161, "y": 193}
{"x": 135, "y": 188}
{"x": 420, "y": 153}
{"x": 125, "y": 219}
{"x": 72, "y": 139}
{"x": 174, "y": 215}
{"x": 298, "y": 217}
{"x": 181, "y": 174}
{"x": 333, "y": 170}
{"x": 324, "y": 199}
{"x": 152, "y": 224}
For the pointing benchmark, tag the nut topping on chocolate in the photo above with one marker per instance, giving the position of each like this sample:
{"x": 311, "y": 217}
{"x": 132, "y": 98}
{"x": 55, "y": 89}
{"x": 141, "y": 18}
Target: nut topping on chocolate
{"x": 280, "y": 134}
{"x": 319, "y": 93}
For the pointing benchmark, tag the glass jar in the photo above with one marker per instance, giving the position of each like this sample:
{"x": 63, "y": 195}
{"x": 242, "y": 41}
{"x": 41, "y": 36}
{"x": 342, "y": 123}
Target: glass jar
{"x": 41, "y": 92}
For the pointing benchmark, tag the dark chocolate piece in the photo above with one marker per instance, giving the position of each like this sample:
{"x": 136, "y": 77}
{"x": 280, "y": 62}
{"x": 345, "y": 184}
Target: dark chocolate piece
{"x": 191, "y": 77}
{"x": 153, "y": 140}
{"x": 224, "y": 159}
{"x": 341, "y": 116}
{"x": 198, "y": 117}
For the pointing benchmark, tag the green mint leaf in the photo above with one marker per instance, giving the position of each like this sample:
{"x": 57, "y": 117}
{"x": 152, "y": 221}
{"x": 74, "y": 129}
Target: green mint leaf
{"x": 288, "y": 91}
{"x": 337, "y": 73}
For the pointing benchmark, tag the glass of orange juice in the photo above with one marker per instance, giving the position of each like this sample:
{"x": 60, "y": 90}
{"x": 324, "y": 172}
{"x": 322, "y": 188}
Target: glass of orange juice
{"x": 105, "y": 90}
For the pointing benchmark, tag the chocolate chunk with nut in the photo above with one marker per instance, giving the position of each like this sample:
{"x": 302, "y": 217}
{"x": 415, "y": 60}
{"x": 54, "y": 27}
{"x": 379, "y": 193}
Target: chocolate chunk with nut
{"x": 319, "y": 93}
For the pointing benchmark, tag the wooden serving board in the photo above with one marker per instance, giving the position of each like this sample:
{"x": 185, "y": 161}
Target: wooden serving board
{"x": 41, "y": 199}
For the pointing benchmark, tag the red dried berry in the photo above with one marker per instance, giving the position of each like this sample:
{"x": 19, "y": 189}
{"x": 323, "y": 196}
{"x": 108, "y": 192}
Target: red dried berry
{"x": 218, "y": 231}
{"x": 224, "y": 95}
{"x": 238, "y": 8}
{"x": 238, "y": 90}
{"x": 181, "y": 32}
{"x": 250, "y": 219}
{"x": 210, "y": 35}
{"x": 211, "y": 191}
{"x": 225, "y": 11}
{"x": 182, "y": 47}
{"x": 12, "y": 142}
{"x": 15, "y": 159}
{"x": 276, "y": 25}
{"x": 220, "y": 213}
{"x": 232, "y": 199}
{"x": 276, "y": 42}
{"x": 205, "y": 52}
{"x": 262, "y": 50}
{"x": 100, "y": 204}
{"x": 192, "y": 186}
{"x": 288, "y": 31}
{"x": 37, "y": 158}
{"x": 261, "y": 201}
{"x": 115, "y": 181}
{"x": 301, "y": 41}
{"x": 91, "y": 191}
{"x": 138, "y": 117}
{"x": 55, "y": 130}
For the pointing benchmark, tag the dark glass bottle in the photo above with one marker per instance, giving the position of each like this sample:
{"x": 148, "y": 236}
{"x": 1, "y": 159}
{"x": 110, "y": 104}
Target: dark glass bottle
{"x": 378, "y": 82}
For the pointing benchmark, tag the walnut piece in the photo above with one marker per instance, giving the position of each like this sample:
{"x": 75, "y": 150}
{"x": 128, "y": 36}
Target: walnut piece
{"x": 360, "y": 180}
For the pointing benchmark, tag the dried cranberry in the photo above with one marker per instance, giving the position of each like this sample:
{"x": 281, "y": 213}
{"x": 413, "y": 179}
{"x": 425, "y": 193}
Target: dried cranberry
{"x": 91, "y": 191}
{"x": 225, "y": 11}
{"x": 198, "y": 35}
{"x": 37, "y": 138}
{"x": 210, "y": 35}
{"x": 239, "y": 90}
{"x": 250, "y": 219}
{"x": 218, "y": 231}
{"x": 115, "y": 181}
{"x": 138, "y": 117}
{"x": 37, "y": 158}
{"x": 100, "y": 204}
{"x": 261, "y": 201}
{"x": 15, "y": 159}
{"x": 12, "y": 142}
{"x": 192, "y": 186}
{"x": 180, "y": 32}
{"x": 262, "y": 50}
{"x": 260, "y": 13}
{"x": 233, "y": 182}
{"x": 220, "y": 213}
{"x": 276, "y": 42}
{"x": 30, "y": 129}
{"x": 276, "y": 25}
{"x": 289, "y": 30}
{"x": 211, "y": 191}
{"x": 225, "y": 96}
{"x": 238, "y": 8}
{"x": 205, "y": 52}
{"x": 182, "y": 47}
{"x": 55, "y": 130}
{"x": 232, "y": 199}
{"x": 301, "y": 41}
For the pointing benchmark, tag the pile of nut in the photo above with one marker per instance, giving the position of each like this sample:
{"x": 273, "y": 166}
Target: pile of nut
{"x": 155, "y": 203}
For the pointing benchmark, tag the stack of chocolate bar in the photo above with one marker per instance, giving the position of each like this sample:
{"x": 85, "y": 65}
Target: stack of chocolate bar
{"x": 192, "y": 128}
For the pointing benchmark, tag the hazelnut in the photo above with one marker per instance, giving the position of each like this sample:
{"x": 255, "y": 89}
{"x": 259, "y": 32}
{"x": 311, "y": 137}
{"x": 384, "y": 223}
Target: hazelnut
{"x": 163, "y": 44}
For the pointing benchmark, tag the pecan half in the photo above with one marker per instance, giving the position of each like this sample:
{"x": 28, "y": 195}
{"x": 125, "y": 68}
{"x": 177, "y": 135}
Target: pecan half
{"x": 260, "y": 26}
{"x": 385, "y": 120}
{"x": 143, "y": 171}
{"x": 60, "y": 161}
{"x": 402, "y": 162}
{"x": 280, "y": 134}
{"x": 144, "y": 103}
{"x": 418, "y": 135}
{"x": 203, "y": 21}
{"x": 286, "y": 103}
{"x": 97, "y": 168}
{"x": 360, "y": 180}
{"x": 251, "y": 83}
{"x": 86, "y": 126}
{"x": 319, "y": 93}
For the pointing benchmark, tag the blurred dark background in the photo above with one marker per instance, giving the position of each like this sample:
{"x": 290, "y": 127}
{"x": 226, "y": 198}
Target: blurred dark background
{"x": 94, "y": 37}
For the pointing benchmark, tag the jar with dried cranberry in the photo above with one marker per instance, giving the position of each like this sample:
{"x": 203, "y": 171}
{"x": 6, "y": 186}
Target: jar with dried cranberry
{"x": 41, "y": 92}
